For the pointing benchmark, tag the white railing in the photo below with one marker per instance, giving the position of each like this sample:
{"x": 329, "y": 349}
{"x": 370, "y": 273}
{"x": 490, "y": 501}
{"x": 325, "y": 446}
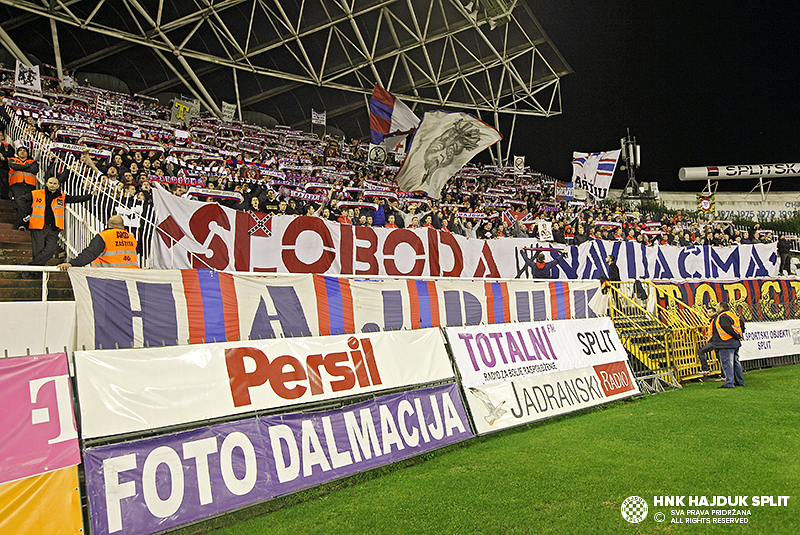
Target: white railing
{"x": 83, "y": 220}
{"x": 44, "y": 270}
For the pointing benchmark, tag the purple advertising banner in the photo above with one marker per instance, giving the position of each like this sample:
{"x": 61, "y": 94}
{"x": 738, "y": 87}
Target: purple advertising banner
{"x": 154, "y": 484}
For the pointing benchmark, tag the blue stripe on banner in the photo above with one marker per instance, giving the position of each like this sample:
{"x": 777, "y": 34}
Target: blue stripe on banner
{"x": 213, "y": 311}
{"x": 452, "y": 308}
{"x": 424, "y": 300}
{"x": 523, "y": 306}
{"x": 539, "y": 306}
{"x": 497, "y": 295}
{"x": 580, "y": 304}
{"x": 380, "y": 109}
{"x": 392, "y": 310}
{"x": 605, "y": 167}
{"x": 562, "y": 311}
{"x": 335, "y": 305}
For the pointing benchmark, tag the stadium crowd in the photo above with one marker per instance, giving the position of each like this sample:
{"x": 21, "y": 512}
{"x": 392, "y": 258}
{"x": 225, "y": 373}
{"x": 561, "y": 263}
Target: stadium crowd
{"x": 120, "y": 145}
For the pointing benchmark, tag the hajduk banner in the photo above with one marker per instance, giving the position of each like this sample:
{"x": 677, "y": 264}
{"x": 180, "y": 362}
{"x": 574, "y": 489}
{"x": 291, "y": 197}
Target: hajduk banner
{"x": 519, "y": 373}
{"x": 124, "y": 308}
{"x": 770, "y": 339}
{"x": 38, "y": 426}
{"x": 192, "y": 234}
{"x": 129, "y": 390}
{"x": 158, "y": 483}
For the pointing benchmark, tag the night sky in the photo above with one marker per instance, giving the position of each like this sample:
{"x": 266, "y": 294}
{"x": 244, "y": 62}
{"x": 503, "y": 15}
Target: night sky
{"x": 701, "y": 83}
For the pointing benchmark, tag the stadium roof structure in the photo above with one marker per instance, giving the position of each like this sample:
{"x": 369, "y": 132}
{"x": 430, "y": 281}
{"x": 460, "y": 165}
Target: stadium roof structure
{"x": 285, "y": 57}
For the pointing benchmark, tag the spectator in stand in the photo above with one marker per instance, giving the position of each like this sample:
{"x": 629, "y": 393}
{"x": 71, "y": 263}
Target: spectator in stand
{"x": 47, "y": 219}
{"x": 347, "y": 216}
{"x": 283, "y": 208}
{"x": 543, "y": 269}
{"x": 785, "y": 252}
{"x": 613, "y": 269}
{"x": 254, "y": 205}
{"x": 113, "y": 247}
{"x": 22, "y": 179}
{"x": 6, "y": 153}
{"x": 378, "y": 215}
{"x": 414, "y": 222}
{"x": 486, "y": 232}
{"x": 268, "y": 201}
{"x": 390, "y": 222}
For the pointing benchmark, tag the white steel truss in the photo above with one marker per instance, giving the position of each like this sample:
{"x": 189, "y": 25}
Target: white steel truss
{"x": 485, "y": 56}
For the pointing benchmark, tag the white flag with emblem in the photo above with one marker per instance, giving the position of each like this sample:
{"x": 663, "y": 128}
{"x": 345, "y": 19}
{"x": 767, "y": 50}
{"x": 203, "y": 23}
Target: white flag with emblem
{"x": 28, "y": 78}
{"x": 443, "y": 143}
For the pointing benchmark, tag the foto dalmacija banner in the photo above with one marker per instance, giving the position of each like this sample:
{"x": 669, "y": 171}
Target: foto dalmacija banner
{"x": 519, "y": 373}
{"x": 124, "y": 308}
{"x": 150, "y": 485}
{"x": 192, "y": 234}
{"x": 130, "y": 390}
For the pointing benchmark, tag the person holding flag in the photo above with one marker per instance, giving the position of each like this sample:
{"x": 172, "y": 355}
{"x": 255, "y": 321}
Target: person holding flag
{"x": 543, "y": 269}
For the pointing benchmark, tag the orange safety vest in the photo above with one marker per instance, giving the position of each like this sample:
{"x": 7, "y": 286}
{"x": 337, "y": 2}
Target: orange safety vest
{"x": 737, "y": 325}
{"x": 38, "y": 209}
{"x": 119, "y": 252}
{"x": 16, "y": 177}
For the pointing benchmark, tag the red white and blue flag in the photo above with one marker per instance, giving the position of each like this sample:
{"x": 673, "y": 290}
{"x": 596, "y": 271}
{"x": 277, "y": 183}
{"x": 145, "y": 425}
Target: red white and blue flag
{"x": 389, "y": 116}
{"x": 593, "y": 171}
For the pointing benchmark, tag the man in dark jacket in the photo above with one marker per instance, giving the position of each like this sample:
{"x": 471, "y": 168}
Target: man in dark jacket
{"x": 542, "y": 269}
{"x": 613, "y": 269}
{"x": 6, "y": 152}
{"x": 785, "y": 252}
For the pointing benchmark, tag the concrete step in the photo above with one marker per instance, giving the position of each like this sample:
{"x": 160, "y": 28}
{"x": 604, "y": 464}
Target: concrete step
{"x": 33, "y": 292}
{"x": 16, "y": 281}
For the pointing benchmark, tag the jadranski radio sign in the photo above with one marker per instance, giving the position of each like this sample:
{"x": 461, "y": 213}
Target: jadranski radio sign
{"x": 518, "y": 373}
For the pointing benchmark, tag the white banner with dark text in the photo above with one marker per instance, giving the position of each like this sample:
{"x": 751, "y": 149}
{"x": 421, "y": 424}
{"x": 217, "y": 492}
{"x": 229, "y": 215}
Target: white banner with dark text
{"x": 519, "y": 373}
{"x": 770, "y": 339}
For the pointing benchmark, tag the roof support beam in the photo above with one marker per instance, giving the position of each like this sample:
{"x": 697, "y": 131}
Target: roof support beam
{"x": 12, "y": 47}
{"x": 57, "y": 50}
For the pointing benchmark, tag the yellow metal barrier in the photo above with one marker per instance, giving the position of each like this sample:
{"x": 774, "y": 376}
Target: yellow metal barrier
{"x": 659, "y": 337}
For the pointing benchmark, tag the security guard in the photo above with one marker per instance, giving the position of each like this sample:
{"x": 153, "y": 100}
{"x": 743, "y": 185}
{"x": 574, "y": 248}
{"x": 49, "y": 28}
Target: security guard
{"x": 47, "y": 218}
{"x": 22, "y": 172}
{"x": 114, "y": 247}
{"x": 726, "y": 335}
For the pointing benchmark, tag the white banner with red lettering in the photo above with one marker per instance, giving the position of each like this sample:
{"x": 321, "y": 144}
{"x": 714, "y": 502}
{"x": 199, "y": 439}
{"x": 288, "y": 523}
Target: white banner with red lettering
{"x": 518, "y": 373}
{"x": 194, "y": 234}
{"x": 130, "y": 390}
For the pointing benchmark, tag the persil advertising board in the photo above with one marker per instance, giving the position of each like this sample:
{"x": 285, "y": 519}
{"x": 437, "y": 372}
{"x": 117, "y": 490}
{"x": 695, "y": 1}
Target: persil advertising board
{"x": 518, "y": 373}
{"x": 124, "y": 391}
